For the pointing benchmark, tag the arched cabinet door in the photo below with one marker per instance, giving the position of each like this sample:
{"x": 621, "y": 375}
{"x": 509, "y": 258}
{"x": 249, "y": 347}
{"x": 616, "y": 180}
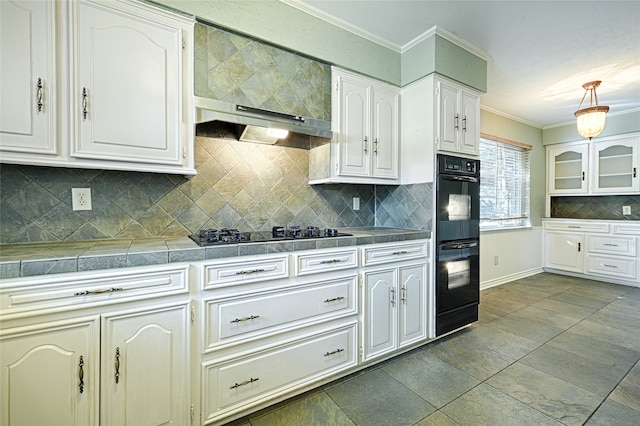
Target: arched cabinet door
{"x": 380, "y": 313}
{"x": 144, "y": 367}
{"x": 50, "y": 374}
{"x": 127, "y": 92}
{"x": 413, "y": 302}
{"x": 28, "y": 77}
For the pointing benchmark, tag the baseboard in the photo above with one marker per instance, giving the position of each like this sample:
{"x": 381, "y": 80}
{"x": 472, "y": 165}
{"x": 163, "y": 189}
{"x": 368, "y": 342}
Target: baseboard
{"x": 508, "y": 278}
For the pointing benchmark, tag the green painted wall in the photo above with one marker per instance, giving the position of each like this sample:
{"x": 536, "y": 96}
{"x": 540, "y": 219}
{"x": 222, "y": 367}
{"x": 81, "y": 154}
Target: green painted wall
{"x": 498, "y": 125}
{"x": 285, "y": 26}
{"x": 615, "y": 125}
{"x": 437, "y": 54}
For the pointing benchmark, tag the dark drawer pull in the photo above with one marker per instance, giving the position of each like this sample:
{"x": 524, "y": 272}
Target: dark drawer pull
{"x": 396, "y": 253}
{"x": 335, "y": 299}
{"x": 337, "y": 351}
{"x": 108, "y": 290}
{"x": 252, "y": 317}
{"x": 246, "y": 382}
{"x": 251, "y": 271}
{"x": 325, "y": 262}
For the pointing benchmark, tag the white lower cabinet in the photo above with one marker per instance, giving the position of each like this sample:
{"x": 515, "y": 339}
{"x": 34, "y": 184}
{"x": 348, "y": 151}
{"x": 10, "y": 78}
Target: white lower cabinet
{"x": 108, "y": 361}
{"x": 394, "y": 298}
{"x": 600, "y": 250}
{"x": 50, "y": 374}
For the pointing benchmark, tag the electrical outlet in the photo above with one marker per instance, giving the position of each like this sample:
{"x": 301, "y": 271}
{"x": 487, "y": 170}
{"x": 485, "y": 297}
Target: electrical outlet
{"x": 81, "y": 198}
{"x": 626, "y": 210}
{"x": 356, "y": 203}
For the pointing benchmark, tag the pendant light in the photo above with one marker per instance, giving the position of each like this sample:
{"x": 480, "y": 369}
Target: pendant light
{"x": 591, "y": 120}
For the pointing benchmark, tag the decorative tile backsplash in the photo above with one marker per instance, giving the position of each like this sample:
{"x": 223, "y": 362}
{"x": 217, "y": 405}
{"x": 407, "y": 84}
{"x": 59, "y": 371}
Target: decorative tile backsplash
{"x": 243, "y": 185}
{"x": 240, "y": 70}
{"x": 608, "y": 207}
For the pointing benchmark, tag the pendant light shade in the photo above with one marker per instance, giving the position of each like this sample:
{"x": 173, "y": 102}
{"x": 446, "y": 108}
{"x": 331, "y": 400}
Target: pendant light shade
{"x": 591, "y": 120}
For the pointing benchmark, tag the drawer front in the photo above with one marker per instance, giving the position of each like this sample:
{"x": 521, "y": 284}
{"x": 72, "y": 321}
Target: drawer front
{"x": 244, "y": 271}
{"x": 394, "y": 252}
{"x": 239, "y": 383}
{"x": 626, "y": 229}
{"x": 612, "y": 266}
{"x": 246, "y": 318}
{"x": 46, "y": 294}
{"x": 625, "y": 246}
{"x": 577, "y": 226}
{"x": 325, "y": 261}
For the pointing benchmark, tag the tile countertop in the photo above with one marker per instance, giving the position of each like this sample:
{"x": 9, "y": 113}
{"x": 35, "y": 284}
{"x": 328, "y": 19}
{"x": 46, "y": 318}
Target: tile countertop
{"x": 30, "y": 259}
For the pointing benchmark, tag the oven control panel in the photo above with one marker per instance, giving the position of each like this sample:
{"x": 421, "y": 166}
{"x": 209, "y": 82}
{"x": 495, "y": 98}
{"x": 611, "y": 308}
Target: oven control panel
{"x": 458, "y": 165}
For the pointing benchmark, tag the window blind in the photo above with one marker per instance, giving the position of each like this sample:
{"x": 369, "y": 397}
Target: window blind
{"x": 504, "y": 184}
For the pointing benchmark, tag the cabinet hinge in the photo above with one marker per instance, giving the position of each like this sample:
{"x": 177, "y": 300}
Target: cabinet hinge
{"x": 337, "y": 85}
{"x": 193, "y": 413}
{"x": 184, "y": 152}
{"x": 361, "y": 352}
{"x": 184, "y": 44}
{"x": 193, "y": 314}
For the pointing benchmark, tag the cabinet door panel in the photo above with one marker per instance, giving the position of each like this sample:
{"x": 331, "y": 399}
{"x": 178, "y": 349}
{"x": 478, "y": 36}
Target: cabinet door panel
{"x": 130, "y": 69}
{"x": 380, "y": 325}
{"x": 615, "y": 166}
{"x": 144, "y": 374}
{"x": 448, "y": 119}
{"x": 564, "y": 251}
{"x": 385, "y": 135}
{"x": 27, "y": 58}
{"x": 469, "y": 136}
{"x": 567, "y": 169}
{"x": 41, "y": 375}
{"x": 354, "y": 130}
{"x": 413, "y": 302}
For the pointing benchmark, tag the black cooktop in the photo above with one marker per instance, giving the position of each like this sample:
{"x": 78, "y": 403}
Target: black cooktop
{"x": 209, "y": 237}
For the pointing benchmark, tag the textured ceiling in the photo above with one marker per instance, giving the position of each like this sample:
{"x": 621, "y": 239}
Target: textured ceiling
{"x": 539, "y": 52}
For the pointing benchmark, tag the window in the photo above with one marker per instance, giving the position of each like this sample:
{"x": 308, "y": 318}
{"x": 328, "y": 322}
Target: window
{"x": 504, "y": 183}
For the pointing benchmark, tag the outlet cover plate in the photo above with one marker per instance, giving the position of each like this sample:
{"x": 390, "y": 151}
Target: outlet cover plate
{"x": 81, "y": 198}
{"x": 626, "y": 210}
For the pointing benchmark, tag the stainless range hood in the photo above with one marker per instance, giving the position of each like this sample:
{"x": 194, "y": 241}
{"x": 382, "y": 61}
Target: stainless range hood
{"x": 251, "y": 124}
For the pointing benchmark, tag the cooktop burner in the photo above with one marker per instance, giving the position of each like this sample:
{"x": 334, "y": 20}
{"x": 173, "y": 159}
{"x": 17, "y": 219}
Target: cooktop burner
{"x": 208, "y": 237}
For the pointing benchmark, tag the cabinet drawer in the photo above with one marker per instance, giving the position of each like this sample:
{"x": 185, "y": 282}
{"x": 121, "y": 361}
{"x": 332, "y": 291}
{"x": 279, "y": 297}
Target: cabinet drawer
{"x": 242, "y": 382}
{"x": 625, "y": 246}
{"x": 386, "y": 253}
{"x": 246, "y": 318}
{"x": 44, "y": 294}
{"x": 244, "y": 271}
{"x": 626, "y": 229}
{"x": 325, "y": 261}
{"x": 612, "y": 266}
{"x": 577, "y": 226}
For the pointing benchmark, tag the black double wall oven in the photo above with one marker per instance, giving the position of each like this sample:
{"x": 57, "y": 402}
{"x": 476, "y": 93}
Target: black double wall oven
{"x": 458, "y": 242}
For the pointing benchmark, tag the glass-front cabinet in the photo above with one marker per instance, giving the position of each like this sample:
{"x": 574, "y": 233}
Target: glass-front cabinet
{"x": 615, "y": 165}
{"x": 567, "y": 168}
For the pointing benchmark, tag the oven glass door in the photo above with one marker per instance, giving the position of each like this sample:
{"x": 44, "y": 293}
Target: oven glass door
{"x": 458, "y": 210}
{"x": 458, "y": 275}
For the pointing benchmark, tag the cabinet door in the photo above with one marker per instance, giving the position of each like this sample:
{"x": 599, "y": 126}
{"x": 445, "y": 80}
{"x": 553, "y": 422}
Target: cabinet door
{"x": 380, "y": 302}
{"x": 144, "y": 367}
{"x": 615, "y": 166}
{"x": 50, "y": 375}
{"x": 353, "y": 134}
{"x": 385, "y": 134}
{"x": 567, "y": 169}
{"x": 448, "y": 118}
{"x": 127, "y": 94}
{"x": 470, "y": 131}
{"x": 413, "y": 304}
{"x": 27, "y": 76}
{"x": 564, "y": 251}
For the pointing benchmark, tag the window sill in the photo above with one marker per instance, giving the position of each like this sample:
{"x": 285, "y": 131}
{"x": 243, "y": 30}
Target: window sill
{"x": 509, "y": 228}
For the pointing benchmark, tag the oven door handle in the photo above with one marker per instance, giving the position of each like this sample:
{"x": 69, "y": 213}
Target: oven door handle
{"x": 459, "y": 246}
{"x": 460, "y": 178}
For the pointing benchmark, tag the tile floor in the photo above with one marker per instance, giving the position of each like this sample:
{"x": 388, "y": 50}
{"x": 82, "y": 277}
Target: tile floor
{"x": 548, "y": 350}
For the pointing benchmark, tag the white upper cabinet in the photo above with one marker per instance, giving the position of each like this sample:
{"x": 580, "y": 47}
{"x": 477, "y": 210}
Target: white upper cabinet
{"x": 365, "y": 144}
{"x": 605, "y": 166}
{"x": 458, "y": 115}
{"x": 126, "y": 99}
{"x": 567, "y": 168}
{"x": 615, "y": 165}
{"x": 124, "y": 86}
{"x": 28, "y": 77}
